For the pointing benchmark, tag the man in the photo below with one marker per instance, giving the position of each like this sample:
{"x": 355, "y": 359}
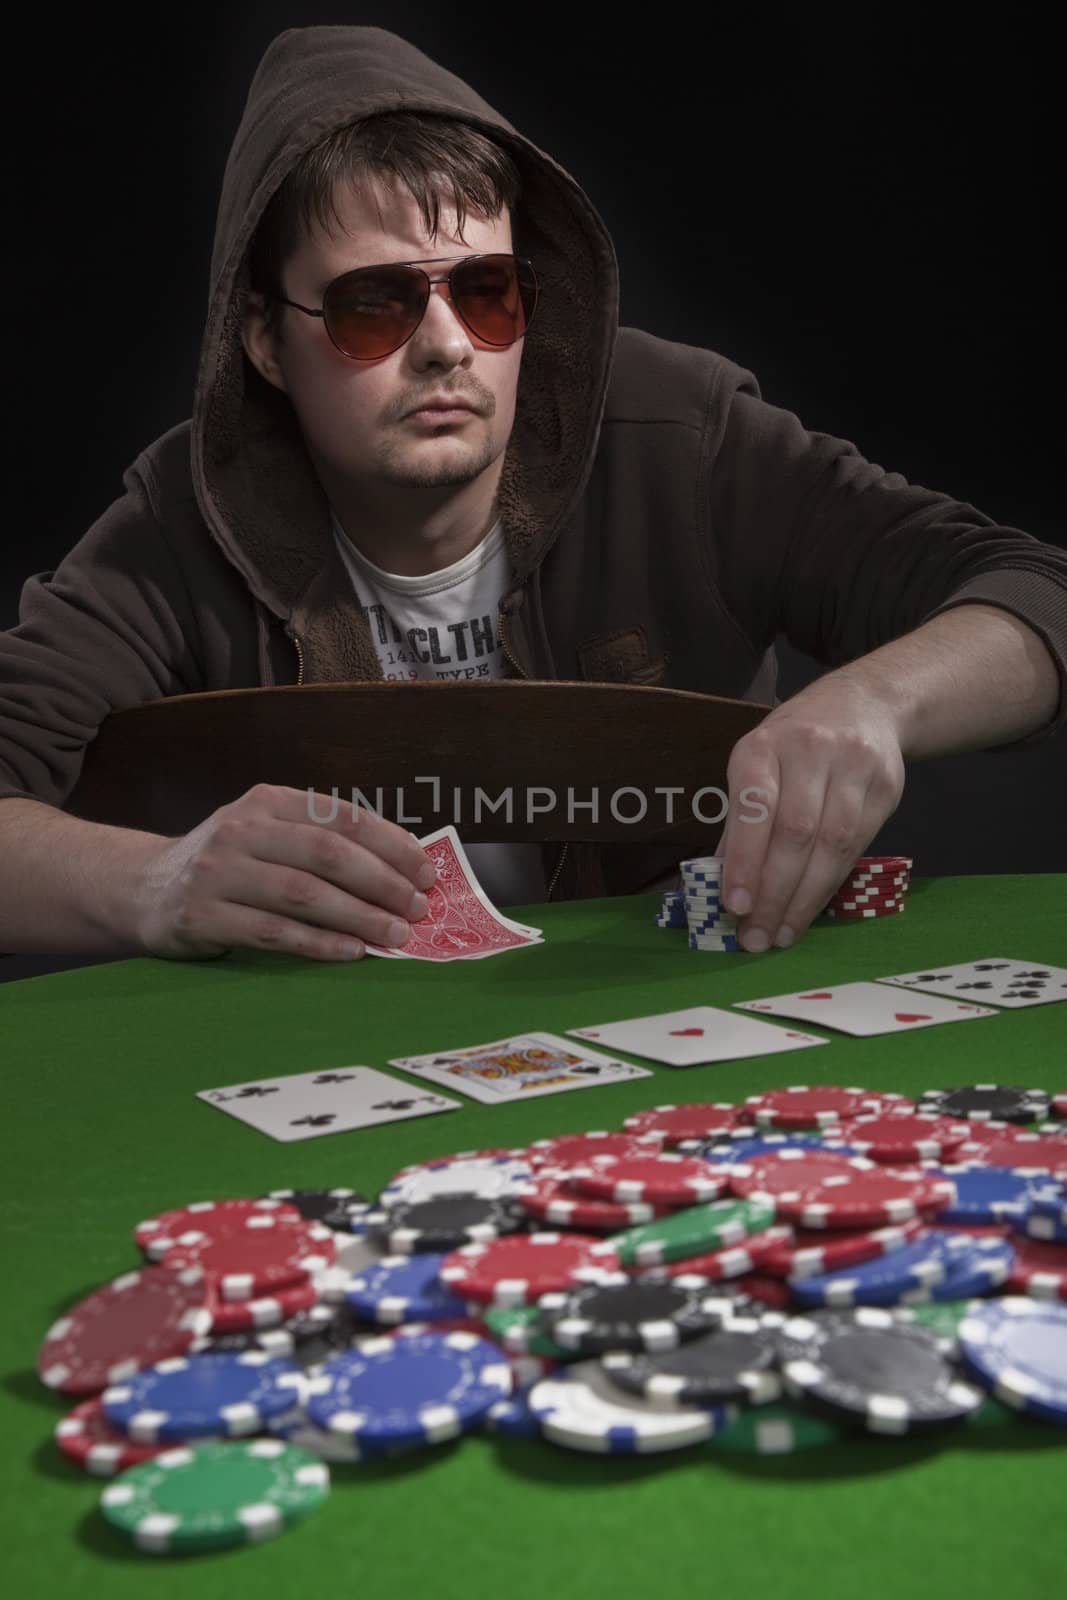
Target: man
{"x": 308, "y": 525}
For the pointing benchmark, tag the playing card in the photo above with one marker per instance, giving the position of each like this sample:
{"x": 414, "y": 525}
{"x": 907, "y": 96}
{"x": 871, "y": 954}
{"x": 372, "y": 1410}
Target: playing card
{"x": 519, "y": 1068}
{"x": 995, "y": 981}
{"x": 865, "y": 1008}
{"x": 305, "y": 1105}
{"x": 461, "y": 923}
{"x": 695, "y": 1035}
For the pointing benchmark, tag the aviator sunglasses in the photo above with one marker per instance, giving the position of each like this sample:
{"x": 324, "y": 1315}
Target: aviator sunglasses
{"x": 372, "y": 311}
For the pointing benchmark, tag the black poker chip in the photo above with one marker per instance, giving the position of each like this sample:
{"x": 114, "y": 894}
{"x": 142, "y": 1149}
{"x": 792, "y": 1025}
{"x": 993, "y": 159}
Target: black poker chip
{"x": 988, "y": 1102}
{"x": 331, "y": 1207}
{"x": 325, "y": 1330}
{"x": 622, "y": 1313}
{"x": 878, "y": 1373}
{"x": 277, "y": 1341}
{"x": 444, "y": 1223}
{"x": 735, "y": 1361}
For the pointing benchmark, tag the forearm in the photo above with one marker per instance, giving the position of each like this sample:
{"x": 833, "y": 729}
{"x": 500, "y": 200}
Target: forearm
{"x": 67, "y": 887}
{"x": 968, "y": 679}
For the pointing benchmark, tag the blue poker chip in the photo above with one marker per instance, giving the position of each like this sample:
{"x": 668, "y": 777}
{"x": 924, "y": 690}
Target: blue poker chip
{"x": 891, "y": 1279}
{"x": 408, "y": 1390}
{"x": 403, "y": 1289}
{"x": 738, "y": 1150}
{"x": 672, "y": 898}
{"x": 1017, "y": 1349}
{"x": 1042, "y": 1212}
{"x": 969, "y": 1274}
{"x": 985, "y": 1194}
{"x": 512, "y": 1418}
{"x": 204, "y": 1396}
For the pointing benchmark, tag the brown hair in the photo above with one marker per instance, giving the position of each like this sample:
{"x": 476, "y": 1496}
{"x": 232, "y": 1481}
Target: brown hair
{"x": 437, "y": 158}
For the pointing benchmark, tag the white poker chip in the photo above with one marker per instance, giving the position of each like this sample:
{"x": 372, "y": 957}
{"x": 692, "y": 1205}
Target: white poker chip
{"x": 489, "y": 1177}
{"x": 586, "y": 1411}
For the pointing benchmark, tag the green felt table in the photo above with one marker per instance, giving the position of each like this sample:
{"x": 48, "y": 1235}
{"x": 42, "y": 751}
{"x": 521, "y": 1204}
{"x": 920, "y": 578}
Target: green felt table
{"x": 101, "y": 1067}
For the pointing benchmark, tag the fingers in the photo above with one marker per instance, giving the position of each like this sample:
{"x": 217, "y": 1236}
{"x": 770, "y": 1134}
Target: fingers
{"x": 393, "y": 845}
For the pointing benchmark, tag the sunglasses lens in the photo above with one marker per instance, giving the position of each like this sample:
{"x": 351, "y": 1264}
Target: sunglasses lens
{"x": 372, "y": 312}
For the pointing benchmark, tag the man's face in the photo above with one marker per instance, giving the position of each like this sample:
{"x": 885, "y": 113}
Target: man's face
{"x": 354, "y": 414}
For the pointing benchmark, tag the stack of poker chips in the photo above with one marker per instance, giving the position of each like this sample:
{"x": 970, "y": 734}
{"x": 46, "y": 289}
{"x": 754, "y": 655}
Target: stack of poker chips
{"x": 698, "y": 906}
{"x": 875, "y": 887}
{"x": 767, "y": 1277}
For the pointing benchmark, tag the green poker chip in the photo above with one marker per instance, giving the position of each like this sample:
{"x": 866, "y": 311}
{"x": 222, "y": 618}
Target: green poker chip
{"x": 521, "y": 1331}
{"x": 716, "y": 1225}
{"x": 215, "y": 1495}
{"x": 779, "y": 1429}
{"x": 943, "y": 1317}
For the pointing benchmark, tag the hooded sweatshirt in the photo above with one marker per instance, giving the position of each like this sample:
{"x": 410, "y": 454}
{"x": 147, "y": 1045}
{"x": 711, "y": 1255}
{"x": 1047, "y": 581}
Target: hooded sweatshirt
{"x": 663, "y": 523}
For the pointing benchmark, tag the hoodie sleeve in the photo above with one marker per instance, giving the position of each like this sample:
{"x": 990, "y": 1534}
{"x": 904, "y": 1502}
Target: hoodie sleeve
{"x": 840, "y": 556}
{"x": 111, "y": 627}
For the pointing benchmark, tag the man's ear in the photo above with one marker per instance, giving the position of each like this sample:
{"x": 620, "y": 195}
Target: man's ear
{"x": 259, "y": 342}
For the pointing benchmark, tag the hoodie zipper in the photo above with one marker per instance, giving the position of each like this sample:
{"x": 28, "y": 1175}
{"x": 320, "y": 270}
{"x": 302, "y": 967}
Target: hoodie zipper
{"x": 523, "y": 674}
{"x": 299, "y": 657}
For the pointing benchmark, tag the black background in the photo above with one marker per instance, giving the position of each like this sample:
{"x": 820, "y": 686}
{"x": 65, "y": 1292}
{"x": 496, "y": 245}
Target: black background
{"x": 863, "y": 217}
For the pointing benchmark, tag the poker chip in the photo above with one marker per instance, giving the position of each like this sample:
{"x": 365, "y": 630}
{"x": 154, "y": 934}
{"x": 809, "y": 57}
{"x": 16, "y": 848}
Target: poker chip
{"x": 672, "y": 1124}
{"x": 549, "y": 1198}
{"x": 735, "y": 1361}
{"x": 1017, "y": 1349}
{"x": 156, "y": 1235}
{"x": 87, "y": 1438}
{"x": 1007, "y": 1146}
{"x": 854, "y": 911}
{"x": 584, "y": 1410}
{"x": 697, "y": 1230}
{"x": 806, "y": 1254}
{"x": 443, "y": 1223}
{"x": 404, "y": 1289}
{"x": 942, "y": 1317}
{"x": 735, "y": 1261}
{"x": 904, "y": 1135}
{"x": 1041, "y": 1212}
{"x": 623, "y": 1313}
{"x": 983, "y": 1102}
{"x": 1039, "y": 1269}
{"x": 521, "y": 1332}
{"x": 980, "y": 1269}
{"x": 276, "y": 1341}
{"x": 880, "y": 1373}
{"x": 297, "y": 1431}
{"x": 248, "y": 1252}
{"x": 985, "y": 1194}
{"x": 825, "y": 1189}
{"x": 137, "y": 1319}
{"x": 512, "y": 1418}
{"x": 763, "y": 1290}
{"x": 213, "y": 1496}
{"x": 821, "y": 1107}
{"x": 408, "y": 1391}
{"x": 574, "y": 1149}
{"x": 516, "y": 1271}
{"x": 270, "y": 1311}
{"x": 203, "y": 1395}
{"x": 331, "y": 1207}
{"x": 778, "y": 1429}
{"x": 910, "y": 1271}
{"x": 1059, "y": 1104}
{"x": 662, "y": 1179}
{"x": 740, "y": 1150}
{"x": 489, "y": 1177}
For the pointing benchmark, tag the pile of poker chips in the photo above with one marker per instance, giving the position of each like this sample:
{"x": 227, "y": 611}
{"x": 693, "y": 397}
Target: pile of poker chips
{"x": 875, "y": 887}
{"x": 728, "y": 1274}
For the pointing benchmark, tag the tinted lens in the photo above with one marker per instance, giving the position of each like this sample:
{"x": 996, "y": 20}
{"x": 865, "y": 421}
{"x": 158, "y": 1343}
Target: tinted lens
{"x": 370, "y": 313}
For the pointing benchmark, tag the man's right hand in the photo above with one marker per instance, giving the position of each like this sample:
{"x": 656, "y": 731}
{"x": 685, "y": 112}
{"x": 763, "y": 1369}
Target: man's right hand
{"x": 260, "y": 874}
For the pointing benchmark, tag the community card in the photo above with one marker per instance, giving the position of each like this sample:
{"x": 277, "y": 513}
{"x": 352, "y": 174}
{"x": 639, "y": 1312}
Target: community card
{"x": 865, "y": 1008}
{"x": 695, "y": 1035}
{"x": 304, "y": 1105}
{"x": 462, "y": 923}
{"x": 996, "y": 981}
{"x": 519, "y": 1068}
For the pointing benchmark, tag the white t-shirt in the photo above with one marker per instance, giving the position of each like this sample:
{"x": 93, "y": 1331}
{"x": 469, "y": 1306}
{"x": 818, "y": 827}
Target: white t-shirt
{"x": 444, "y": 625}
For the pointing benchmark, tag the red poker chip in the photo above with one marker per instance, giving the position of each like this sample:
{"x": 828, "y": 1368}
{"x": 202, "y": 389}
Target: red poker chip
{"x": 823, "y": 1189}
{"x": 697, "y": 1120}
{"x": 132, "y": 1322}
{"x": 858, "y": 914}
{"x": 906, "y": 1135}
{"x": 819, "y": 1107}
{"x": 810, "y": 1253}
{"x": 880, "y": 865}
{"x": 250, "y": 1258}
{"x": 270, "y": 1311}
{"x": 980, "y": 1230}
{"x": 574, "y": 1149}
{"x": 1039, "y": 1269}
{"x": 550, "y": 1198}
{"x": 734, "y": 1261}
{"x": 87, "y": 1438}
{"x": 658, "y": 1180}
{"x": 156, "y": 1235}
{"x": 860, "y": 902}
{"x": 771, "y": 1292}
{"x": 1059, "y": 1104}
{"x": 1001, "y": 1145}
{"x": 519, "y": 1268}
